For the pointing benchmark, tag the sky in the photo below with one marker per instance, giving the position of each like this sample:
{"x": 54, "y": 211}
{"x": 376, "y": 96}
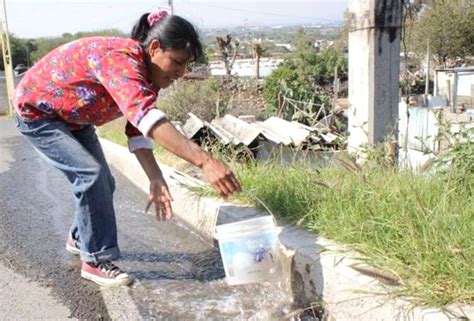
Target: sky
{"x": 49, "y": 18}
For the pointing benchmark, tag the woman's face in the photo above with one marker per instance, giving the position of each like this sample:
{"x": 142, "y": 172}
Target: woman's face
{"x": 166, "y": 65}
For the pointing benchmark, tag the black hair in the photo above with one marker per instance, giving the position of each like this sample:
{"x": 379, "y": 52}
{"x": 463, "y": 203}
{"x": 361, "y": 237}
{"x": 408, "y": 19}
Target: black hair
{"x": 173, "y": 32}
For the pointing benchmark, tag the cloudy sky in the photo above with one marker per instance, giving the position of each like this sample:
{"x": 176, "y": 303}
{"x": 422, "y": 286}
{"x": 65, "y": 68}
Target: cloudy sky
{"x": 42, "y": 18}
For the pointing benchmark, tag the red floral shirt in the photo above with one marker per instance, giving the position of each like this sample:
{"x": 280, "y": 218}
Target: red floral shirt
{"x": 91, "y": 81}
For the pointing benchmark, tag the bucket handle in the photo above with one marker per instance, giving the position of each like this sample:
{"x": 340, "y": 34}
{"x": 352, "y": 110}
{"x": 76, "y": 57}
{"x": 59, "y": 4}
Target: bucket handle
{"x": 257, "y": 199}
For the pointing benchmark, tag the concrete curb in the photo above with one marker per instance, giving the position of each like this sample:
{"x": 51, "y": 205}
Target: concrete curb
{"x": 319, "y": 271}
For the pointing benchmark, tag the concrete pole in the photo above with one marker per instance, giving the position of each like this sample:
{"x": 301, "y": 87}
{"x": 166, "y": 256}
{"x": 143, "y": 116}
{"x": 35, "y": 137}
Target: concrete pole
{"x": 427, "y": 77}
{"x": 374, "y": 66}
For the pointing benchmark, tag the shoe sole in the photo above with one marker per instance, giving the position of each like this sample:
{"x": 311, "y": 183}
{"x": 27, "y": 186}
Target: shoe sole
{"x": 72, "y": 249}
{"x": 105, "y": 282}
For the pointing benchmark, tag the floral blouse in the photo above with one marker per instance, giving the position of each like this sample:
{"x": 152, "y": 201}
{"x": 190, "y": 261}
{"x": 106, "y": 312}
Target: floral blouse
{"x": 91, "y": 81}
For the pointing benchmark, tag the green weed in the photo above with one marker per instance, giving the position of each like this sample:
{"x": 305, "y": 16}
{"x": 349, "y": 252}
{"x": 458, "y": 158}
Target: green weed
{"x": 419, "y": 227}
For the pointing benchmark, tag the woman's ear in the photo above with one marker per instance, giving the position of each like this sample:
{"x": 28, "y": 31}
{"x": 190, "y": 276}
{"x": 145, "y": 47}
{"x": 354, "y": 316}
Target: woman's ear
{"x": 153, "y": 47}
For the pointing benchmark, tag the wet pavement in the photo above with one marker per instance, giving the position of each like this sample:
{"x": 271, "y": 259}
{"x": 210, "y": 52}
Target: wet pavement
{"x": 178, "y": 275}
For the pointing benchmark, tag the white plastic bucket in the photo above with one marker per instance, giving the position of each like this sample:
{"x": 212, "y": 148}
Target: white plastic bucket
{"x": 249, "y": 250}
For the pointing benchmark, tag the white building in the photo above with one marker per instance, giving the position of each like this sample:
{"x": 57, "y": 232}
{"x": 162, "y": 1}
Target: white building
{"x": 246, "y": 67}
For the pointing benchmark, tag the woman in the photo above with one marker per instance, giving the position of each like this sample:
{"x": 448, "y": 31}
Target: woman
{"x": 90, "y": 82}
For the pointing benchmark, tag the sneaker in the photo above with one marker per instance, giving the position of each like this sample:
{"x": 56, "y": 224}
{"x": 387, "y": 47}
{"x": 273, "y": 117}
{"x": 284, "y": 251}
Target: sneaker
{"x": 72, "y": 247}
{"x": 105, "y": 273}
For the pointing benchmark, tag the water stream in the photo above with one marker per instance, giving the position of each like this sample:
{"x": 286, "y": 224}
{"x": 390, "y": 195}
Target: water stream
{"x": 181, "y": 277}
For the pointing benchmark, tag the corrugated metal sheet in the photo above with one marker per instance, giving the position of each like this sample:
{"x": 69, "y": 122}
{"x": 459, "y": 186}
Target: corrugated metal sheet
{"x": 329, "y": 138}
{"x": 283, "y": 132}
{"x": 421, "y": 128}
{"x": 229, "y": 129}
{"x": 193, "y": 126}
{"x": 417, "y": 128}
{"x": 233, "y": 130}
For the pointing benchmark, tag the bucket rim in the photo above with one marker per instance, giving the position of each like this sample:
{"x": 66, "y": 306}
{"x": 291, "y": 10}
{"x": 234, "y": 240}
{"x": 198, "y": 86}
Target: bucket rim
{"x": 250, "y": 220}
{"x": 253, "y": 232}
{"x": 248, "y": 227}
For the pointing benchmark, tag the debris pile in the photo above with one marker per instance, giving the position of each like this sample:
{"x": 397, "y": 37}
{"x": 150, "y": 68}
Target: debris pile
{"x": 258, "y": 136}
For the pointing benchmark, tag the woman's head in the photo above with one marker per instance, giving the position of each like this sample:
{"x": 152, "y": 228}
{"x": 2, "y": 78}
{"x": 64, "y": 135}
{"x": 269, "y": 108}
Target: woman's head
{"x": 171, "y": 43}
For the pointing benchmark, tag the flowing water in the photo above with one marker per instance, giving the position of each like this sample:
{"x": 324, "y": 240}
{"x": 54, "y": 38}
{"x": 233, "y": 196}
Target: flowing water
{"x": 181, "y": 277}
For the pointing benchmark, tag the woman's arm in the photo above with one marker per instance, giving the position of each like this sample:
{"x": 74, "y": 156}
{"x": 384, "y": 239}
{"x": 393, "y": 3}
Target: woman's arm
{"x": 216, "y": 173}
{"x": 159, "y": 193}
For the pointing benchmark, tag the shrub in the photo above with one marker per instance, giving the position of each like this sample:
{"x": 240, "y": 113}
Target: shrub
{"x": 455, "y": 162}
{"x": 202, "y": 98}
{"x": 302, "y": 75}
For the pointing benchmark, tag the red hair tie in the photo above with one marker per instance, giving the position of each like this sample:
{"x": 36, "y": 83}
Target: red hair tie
{"x": 156, "y": 16}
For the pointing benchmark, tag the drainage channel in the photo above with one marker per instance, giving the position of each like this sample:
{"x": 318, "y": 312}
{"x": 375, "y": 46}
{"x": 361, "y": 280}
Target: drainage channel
{"x": 179, "y": 276}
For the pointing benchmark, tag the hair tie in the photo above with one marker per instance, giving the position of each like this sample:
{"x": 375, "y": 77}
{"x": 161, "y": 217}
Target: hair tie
{"x": 156, "y": 16}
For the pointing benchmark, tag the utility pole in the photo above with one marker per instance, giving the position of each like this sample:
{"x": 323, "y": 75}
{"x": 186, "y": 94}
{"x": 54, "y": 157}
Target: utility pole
{"x": 374, "y": 66}
{"x": 170, "y": 4}
{"x": 7, "y": 61}
{"x": 336, "y": 85}
{"x": 427, "y": 79}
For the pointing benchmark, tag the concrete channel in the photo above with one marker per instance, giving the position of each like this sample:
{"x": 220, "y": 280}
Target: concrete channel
{"x": 326, "y": 280}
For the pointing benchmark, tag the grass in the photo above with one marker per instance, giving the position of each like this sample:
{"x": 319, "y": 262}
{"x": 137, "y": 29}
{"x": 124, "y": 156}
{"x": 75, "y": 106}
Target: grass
{"x": 404, "y": 223}
{"x": 418, "y": 227}
{"x": 114, "y": 131}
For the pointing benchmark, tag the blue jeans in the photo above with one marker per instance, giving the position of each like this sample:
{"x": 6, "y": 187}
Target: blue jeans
{"x": 79, "y": 156}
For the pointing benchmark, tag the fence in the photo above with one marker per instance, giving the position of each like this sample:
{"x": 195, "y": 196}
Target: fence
{"x": 291, "y": 109}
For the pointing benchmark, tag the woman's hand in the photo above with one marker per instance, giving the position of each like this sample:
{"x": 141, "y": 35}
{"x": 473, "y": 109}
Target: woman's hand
{"x": 216, "y": 173}
{"x": 159, "y": 192}
{"x": 220, "y": 177}
{"x": 161, "y": 197}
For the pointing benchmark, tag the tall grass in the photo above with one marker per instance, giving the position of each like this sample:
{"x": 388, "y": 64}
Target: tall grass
{"x": 420, "y": 227}
{"x": 402, "y": 222}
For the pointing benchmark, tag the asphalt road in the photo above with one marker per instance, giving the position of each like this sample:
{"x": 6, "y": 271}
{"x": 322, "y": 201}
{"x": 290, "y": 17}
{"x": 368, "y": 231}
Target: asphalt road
{"x": 178, "y": 276}
{"x": 36, "y": 208}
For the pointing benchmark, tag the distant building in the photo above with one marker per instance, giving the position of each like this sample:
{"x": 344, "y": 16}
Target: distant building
{"x": 457, "y": 84}
{"x": 319, "y": 44}
{"x": 284, "y": 45}
{"x": 246, "y": 67}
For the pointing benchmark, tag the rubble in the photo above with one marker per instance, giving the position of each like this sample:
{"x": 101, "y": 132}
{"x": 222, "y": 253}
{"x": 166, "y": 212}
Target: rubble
{"x": 273, "y": 132}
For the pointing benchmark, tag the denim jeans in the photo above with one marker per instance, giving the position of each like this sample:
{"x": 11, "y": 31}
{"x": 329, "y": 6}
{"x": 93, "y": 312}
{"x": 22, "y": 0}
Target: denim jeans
{"x": 79, "y": 156}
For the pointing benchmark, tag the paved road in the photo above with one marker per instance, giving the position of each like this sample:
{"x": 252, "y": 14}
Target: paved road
{"x": 179, "y": 277}
{"x": 35, "y": 210}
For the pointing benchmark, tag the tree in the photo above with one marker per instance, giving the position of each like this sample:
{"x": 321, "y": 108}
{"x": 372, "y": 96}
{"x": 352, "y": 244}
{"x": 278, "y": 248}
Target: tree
{"x": 259, "y": 51}
{"x": 346, "y": 27}
{"x": 301, "y": 42}
{"x": 30, "y": 47}
{"x": 24, "y": 51}
{"x": 226, "y": 48}
{"x": 17, "y": 52}
{"x": 303, "y": 74}
{"x": 448, "y": 26}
